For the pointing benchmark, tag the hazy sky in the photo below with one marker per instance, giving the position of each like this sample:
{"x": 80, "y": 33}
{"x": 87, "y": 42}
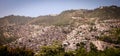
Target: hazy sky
{"x": 43, "y": 7}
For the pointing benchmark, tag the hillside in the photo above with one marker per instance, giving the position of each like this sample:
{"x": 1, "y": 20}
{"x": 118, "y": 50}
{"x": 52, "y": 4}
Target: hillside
{"x": 106, "y": 12}
{"x": 12, "y": 19}
{"x": 70, "y": 29}
{"x": 65, "y": 17}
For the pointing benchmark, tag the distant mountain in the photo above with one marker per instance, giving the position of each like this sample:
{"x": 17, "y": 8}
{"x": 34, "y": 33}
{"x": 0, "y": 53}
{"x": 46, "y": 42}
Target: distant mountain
{"x": 12, "y": 19}
{"x": 105, "y": 12}
{"x": 64, "y": 18}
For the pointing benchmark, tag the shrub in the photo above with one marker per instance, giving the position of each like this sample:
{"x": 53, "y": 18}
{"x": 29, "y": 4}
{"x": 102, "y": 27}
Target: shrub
{"x": 7, "y": 51}
{"x": 114, "y": 36}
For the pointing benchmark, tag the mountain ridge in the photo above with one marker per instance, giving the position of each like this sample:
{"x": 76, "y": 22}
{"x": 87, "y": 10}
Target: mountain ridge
{"x": 69, "y": 28}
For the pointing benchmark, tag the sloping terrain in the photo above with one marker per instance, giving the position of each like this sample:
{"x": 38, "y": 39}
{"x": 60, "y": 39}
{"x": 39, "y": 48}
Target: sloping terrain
{"x": 70, "y": 29}
{"x": 12, "y": 20}
{"x": 106, "y": 12}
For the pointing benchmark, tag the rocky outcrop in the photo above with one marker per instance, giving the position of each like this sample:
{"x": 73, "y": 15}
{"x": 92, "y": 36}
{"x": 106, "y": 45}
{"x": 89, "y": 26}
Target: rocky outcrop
{"x": 100, "y": 45}
{"x": 88, "y": 33}
{"x": 34, "y": 36}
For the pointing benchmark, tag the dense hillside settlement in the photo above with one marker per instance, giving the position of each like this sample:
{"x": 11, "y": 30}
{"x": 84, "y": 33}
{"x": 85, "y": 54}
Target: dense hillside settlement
{"x": 71, "y": 29}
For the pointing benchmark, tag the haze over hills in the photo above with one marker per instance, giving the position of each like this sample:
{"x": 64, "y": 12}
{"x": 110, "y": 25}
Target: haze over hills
{"x": 70, "y": 28}
{"x": 103, "y": 12}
